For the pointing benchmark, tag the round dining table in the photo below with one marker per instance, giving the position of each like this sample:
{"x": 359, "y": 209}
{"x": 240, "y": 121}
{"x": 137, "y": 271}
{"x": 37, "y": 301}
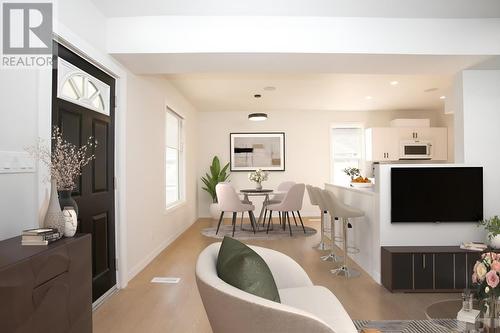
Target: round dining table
{"x": 258, "y": 193}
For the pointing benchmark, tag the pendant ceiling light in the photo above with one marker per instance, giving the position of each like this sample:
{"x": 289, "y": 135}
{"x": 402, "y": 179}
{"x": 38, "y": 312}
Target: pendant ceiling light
{"x": 257, "y": 116}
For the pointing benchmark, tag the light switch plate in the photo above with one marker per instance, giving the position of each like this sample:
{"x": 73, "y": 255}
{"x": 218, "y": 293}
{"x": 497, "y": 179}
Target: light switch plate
{"x": 16, "y": 162}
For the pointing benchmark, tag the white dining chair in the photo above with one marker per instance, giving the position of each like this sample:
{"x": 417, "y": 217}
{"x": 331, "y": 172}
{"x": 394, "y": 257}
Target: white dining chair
{"x": 281, "y": 190}
{"x": 292, "y": 202}
{"x": 228, "y": 201}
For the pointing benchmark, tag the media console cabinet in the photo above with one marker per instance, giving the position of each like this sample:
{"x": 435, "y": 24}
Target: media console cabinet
{"x": 427, "y": 268}
{"x": 46, "y": 288}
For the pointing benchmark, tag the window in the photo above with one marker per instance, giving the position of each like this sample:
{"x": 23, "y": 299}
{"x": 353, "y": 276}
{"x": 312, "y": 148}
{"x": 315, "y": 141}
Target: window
{"x": 347, "y": 148}
{"x": 79, "y": 87}
{"x": 174, "y": 157}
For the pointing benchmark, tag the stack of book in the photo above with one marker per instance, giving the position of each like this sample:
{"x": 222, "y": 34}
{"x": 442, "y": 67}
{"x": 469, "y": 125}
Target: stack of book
{"x": 40, "y": 236}
{"x": 474, "y": 246}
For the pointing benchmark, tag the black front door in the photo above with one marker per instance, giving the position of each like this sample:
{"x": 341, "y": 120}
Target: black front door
{"x": 95, "y": 191}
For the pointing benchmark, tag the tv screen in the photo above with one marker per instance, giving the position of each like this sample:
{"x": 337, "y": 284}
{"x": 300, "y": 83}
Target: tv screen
{"x": 437, "y": 194}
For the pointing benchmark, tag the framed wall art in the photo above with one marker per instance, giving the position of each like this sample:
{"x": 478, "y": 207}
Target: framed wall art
{"x": 251, "y": 151}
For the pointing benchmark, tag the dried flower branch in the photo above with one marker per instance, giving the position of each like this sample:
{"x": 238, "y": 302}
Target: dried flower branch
{"x": 66, "y": 160}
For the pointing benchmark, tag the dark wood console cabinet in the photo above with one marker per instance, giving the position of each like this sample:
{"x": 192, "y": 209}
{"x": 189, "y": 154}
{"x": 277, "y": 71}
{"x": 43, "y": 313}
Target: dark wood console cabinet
{"x": 427, "y": 268}
{"x": 46, "y": 288}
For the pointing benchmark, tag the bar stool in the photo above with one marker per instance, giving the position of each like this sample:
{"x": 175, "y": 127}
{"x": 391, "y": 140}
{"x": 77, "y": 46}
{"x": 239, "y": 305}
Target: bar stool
{"x": 344, "y": 213}
{"x": 325, "y": 207}
{"x": 313, "y": 198}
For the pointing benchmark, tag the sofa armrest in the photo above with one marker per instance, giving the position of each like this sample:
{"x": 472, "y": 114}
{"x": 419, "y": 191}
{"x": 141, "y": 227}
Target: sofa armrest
{"x": 287, "y": 272}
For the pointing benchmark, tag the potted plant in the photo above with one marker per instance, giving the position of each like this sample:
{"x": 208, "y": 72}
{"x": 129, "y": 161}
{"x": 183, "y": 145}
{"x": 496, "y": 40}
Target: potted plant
{"x": 217, "y": 175}
{"x": 492, "y": 226}
{"x": 258, "y": 176}
{"x": 352, "y": 172}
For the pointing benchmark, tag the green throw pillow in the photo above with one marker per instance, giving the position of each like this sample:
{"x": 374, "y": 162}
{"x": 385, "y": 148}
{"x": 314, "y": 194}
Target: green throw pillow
{"x": 243, "y": 268}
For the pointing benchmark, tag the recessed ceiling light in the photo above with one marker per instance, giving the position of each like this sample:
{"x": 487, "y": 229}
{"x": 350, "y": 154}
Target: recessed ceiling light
{"x": 257, "y": 116}
{"x": 270, "y": 88}
{"x": 368, "y": 97}
{"x": 442, "y": 97}
{"x": 257, "y": 95}
{"x": 394, "y": 83}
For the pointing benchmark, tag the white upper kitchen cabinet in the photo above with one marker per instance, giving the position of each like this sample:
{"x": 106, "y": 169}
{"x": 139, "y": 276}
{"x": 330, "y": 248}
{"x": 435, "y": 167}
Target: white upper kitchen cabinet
{"x": 439, "y": 139}
{"x": 423, "y": 133}
{"x": 383, "y": 143}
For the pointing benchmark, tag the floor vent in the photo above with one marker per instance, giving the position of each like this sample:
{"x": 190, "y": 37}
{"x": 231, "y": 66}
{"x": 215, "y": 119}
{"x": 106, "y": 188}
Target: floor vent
{"x": 169, "y": 280}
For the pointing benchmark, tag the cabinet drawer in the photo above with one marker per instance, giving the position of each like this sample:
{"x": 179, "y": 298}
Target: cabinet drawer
{"x": 445, "y": 271}
{"x": 402, "y": 276}
{"x": 423, "y": 266}
{"x": 49, "y": 265}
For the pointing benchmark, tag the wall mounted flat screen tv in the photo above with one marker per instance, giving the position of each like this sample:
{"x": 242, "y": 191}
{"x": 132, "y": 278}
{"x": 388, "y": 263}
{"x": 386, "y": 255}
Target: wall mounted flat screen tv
{"x": 437, "y": 194}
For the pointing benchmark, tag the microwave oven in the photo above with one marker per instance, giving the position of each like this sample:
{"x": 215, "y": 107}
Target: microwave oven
{"x": 415, "y": 150}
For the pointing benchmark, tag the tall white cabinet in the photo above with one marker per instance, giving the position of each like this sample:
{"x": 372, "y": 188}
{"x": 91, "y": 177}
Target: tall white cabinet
{"x": 383, "y": 143}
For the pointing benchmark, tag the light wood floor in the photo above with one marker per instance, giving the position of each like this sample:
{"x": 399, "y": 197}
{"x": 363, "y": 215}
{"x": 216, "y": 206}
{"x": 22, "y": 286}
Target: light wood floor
{"x": 145, "y": 307}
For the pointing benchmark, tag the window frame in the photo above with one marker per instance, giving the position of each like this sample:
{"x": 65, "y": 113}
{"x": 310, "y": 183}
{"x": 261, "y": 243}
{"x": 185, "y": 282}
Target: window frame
{"x": 180, "y": 164}
{"x": 67, "y": 71}
{"x": 345, "y": 125}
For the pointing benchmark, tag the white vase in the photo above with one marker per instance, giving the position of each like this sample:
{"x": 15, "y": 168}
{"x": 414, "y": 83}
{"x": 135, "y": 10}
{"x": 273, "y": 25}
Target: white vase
{"x": 495, "y": 242}
{"x": 54, "y": 217}
{"x": 258, "y": 186}
{"x": 214, "y": 211}
{"x": 70, "y": 221}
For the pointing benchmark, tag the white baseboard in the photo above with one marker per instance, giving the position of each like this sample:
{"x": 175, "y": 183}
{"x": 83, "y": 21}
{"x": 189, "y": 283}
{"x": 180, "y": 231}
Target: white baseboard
{"x": 147, "y": 260}
{"x": 376, "y": 276}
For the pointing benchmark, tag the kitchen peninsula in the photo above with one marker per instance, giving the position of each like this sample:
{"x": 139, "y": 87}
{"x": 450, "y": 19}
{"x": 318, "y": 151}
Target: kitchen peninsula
{"x": 374, "y": 230}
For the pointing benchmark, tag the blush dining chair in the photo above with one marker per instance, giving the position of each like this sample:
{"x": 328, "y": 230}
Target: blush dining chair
{"x": 228, "y": 201}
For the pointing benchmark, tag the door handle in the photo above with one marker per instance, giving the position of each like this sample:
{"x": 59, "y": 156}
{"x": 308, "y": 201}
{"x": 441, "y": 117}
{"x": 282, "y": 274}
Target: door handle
{"x": 423, "y": 261}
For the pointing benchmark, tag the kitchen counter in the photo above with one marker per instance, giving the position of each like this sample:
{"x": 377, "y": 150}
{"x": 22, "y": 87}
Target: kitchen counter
{"x": 364, "y": 229}
{"x": 362, "y": 190}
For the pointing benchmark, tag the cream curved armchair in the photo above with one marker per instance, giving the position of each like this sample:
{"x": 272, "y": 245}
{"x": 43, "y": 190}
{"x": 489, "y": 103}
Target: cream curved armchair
{"x": 303, "y": 308}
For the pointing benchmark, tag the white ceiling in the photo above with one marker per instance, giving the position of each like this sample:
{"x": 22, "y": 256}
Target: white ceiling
{"x": 334, "y": 8}
{"x": 346, "y": 92}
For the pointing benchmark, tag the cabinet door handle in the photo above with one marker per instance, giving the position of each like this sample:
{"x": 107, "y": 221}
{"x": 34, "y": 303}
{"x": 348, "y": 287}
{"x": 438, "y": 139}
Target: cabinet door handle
{"x": 423, "y": 260}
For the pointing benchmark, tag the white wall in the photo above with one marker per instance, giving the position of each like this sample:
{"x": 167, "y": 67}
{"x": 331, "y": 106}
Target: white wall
{"x": 307, "y": 143}
{"x": 273, "y": 34}
{"x": 481, "y": 135}
{"x": 149, "y": 227}
{"x": 18, "y": 129}
{"x": 414, "y": 234}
